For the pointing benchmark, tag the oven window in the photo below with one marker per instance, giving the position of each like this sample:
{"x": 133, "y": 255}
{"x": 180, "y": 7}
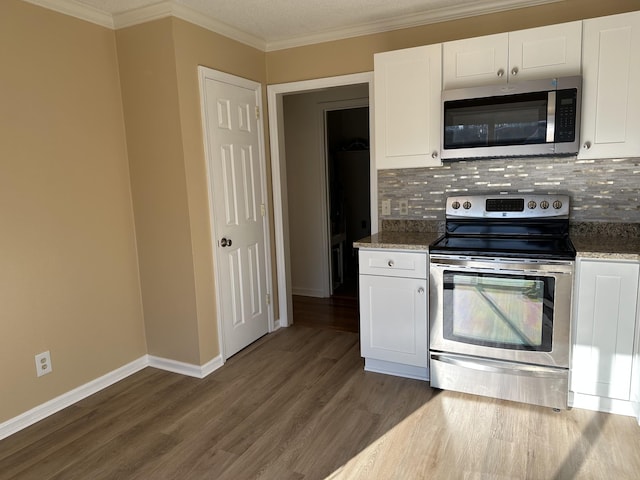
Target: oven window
{"x": 502, "y": 311}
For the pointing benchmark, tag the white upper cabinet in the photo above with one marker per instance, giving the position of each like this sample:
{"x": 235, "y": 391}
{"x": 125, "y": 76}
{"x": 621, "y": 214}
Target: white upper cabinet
{"x": 475, "y": 61}
{"x": 610, "y": 90}
{"x": 407, "y": 85}
{"x": 546, "y": 52}
{"x": 535, "y": 53}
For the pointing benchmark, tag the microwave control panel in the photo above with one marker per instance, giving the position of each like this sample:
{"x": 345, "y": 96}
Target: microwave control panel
{"x": 566, "y": 105}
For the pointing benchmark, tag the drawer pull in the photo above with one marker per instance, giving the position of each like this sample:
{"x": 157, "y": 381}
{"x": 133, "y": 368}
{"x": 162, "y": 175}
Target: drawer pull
{"x": 420, "y": 290}
{"x": 390, "y": 263}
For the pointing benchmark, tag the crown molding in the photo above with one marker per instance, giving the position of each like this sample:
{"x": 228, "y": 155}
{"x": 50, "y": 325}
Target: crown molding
{"x": 407, "y": 21}
{"x": 146, "y": 14}
{"x": 77, "y": 10}
{"x": 170, "y": 8}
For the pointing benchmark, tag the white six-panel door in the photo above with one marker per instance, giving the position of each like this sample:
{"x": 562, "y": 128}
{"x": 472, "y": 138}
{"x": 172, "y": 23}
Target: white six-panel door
{"x": 237, "y": 199}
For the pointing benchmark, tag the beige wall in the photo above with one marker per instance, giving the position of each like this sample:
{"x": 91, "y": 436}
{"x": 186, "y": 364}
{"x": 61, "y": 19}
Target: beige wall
{"x": 158, "y": 70}
{"x": 355, "y": 55}
{"x": 68, "y": 267}
{"x": 152, "y": 119}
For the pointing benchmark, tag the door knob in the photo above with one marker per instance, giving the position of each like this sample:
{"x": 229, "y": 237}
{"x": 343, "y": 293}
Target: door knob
{"x": 225, "y": 242}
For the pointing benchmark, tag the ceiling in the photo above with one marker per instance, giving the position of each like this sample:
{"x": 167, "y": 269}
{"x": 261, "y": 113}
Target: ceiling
{"x": 276, "y": 24}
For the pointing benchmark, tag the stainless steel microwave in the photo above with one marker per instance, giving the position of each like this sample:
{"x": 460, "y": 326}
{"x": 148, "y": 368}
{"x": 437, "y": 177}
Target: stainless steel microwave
{"x": 536, "y": 117}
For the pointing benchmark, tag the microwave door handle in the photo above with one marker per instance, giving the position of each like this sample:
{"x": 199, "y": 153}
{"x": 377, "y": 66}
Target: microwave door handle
{"x": 551, "y": 116}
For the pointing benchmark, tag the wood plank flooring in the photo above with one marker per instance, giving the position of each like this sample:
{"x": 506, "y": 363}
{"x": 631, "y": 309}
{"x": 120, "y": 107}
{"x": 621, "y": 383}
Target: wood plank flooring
{"x": 336, "y": 313}
{"x": 298, "y": 405}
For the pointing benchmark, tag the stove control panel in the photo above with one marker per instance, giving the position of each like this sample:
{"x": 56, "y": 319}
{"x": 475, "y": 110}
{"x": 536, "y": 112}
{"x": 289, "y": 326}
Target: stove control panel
{"x": 508, "y": 205}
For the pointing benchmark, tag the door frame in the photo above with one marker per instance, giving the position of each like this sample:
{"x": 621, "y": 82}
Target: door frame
{"x": 206, "y": 73}
{"x": 279, "y": 177}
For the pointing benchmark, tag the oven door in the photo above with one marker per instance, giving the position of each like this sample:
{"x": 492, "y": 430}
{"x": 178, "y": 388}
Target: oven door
{"x": 514, "y": 310}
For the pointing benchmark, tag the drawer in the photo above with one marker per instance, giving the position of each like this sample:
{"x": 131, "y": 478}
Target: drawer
{"x": 392, "y": 263}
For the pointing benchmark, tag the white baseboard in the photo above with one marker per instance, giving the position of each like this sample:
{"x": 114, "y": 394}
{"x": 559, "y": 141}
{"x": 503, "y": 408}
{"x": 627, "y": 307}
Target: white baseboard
{"x": 397, "y": 369}
{"x": 67, "y": 399}
{"x": 309, "y": 292}
{"x": 601, "y": 404}
{"x": 198, "y": 371}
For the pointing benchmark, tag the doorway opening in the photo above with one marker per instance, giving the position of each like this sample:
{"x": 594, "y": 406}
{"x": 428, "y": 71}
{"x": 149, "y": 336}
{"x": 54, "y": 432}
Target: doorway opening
{"x": 289, "y": 248}
{"x": 326, "y": 138}
{"x": 348, "y": 164}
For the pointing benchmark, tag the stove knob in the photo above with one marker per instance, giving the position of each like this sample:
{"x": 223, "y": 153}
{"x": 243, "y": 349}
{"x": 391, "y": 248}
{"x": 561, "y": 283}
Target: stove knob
{"x": 531, "y": 204}
{"x": 466, "y": 205}
{"x": 557, "y": 204}
{"x": 455, "y": 205}
{"x": 544, "y": 204}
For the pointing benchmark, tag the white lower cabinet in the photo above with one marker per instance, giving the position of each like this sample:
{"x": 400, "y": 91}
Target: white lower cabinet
{"x": 635, "y": 372}
{"x": 605, "y": 322}
{"x": 393, "y": 312}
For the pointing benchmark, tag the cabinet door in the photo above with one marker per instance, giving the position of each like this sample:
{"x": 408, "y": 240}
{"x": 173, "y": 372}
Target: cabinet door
{"x": 545, "y": 52}
{"x": 407, "y": 86}
{"x": 535, "y": 53}
{"x": 610, "y": 94}
{"x": 605, "y": 324}
{"x": 393, "y": 319}
{"x": 475, "y": 61}
{"x": 635, "y": 372}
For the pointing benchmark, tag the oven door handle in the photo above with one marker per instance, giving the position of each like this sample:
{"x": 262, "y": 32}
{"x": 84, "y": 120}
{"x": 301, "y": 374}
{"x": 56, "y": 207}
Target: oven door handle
{"x": 496, "y": 366}
{"x": 465, "y": 265}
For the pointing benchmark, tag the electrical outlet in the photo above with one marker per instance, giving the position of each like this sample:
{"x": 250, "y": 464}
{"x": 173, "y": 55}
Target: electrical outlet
{"x": 403, "y": 206}
{"x": 43, "y": 363}
{"x": 386, "y": 207}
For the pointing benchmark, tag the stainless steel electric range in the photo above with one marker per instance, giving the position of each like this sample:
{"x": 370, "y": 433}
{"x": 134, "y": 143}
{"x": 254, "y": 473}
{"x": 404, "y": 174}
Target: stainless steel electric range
{"x": 500, "y": 298}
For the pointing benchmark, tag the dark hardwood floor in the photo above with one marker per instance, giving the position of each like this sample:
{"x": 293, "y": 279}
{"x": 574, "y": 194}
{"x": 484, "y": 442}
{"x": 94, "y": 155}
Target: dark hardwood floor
{"x": 297, "y": 405}
{"x": 339, "y": 312}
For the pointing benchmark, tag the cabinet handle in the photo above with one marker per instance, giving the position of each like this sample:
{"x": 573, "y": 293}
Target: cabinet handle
{"x": 587, "y": 145}
{"x": 500, "y": 73}
{"x": 390, "y": 263}
{"x": 420, "y": 290}
{"x": 434, "y": 155}
{"x": 514, "y": 71}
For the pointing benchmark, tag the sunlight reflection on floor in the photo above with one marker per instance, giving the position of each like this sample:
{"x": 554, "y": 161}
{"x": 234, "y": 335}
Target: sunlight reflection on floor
{"x": 458, "y": 436}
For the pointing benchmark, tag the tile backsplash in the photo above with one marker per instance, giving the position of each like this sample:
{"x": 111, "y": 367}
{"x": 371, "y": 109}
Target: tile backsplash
{"x": 600, "y": 190}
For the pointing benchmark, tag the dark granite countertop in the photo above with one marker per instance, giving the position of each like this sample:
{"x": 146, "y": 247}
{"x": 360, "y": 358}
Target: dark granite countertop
{"x": 399, "y": 240}
{"x": 614, "y": 241}
{"x": 604, "y": 241}
{"x": 607, "y": 247}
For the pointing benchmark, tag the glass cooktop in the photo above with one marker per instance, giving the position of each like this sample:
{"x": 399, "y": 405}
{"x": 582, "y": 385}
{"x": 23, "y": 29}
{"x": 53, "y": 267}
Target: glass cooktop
{"x": 559, "y": 248}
